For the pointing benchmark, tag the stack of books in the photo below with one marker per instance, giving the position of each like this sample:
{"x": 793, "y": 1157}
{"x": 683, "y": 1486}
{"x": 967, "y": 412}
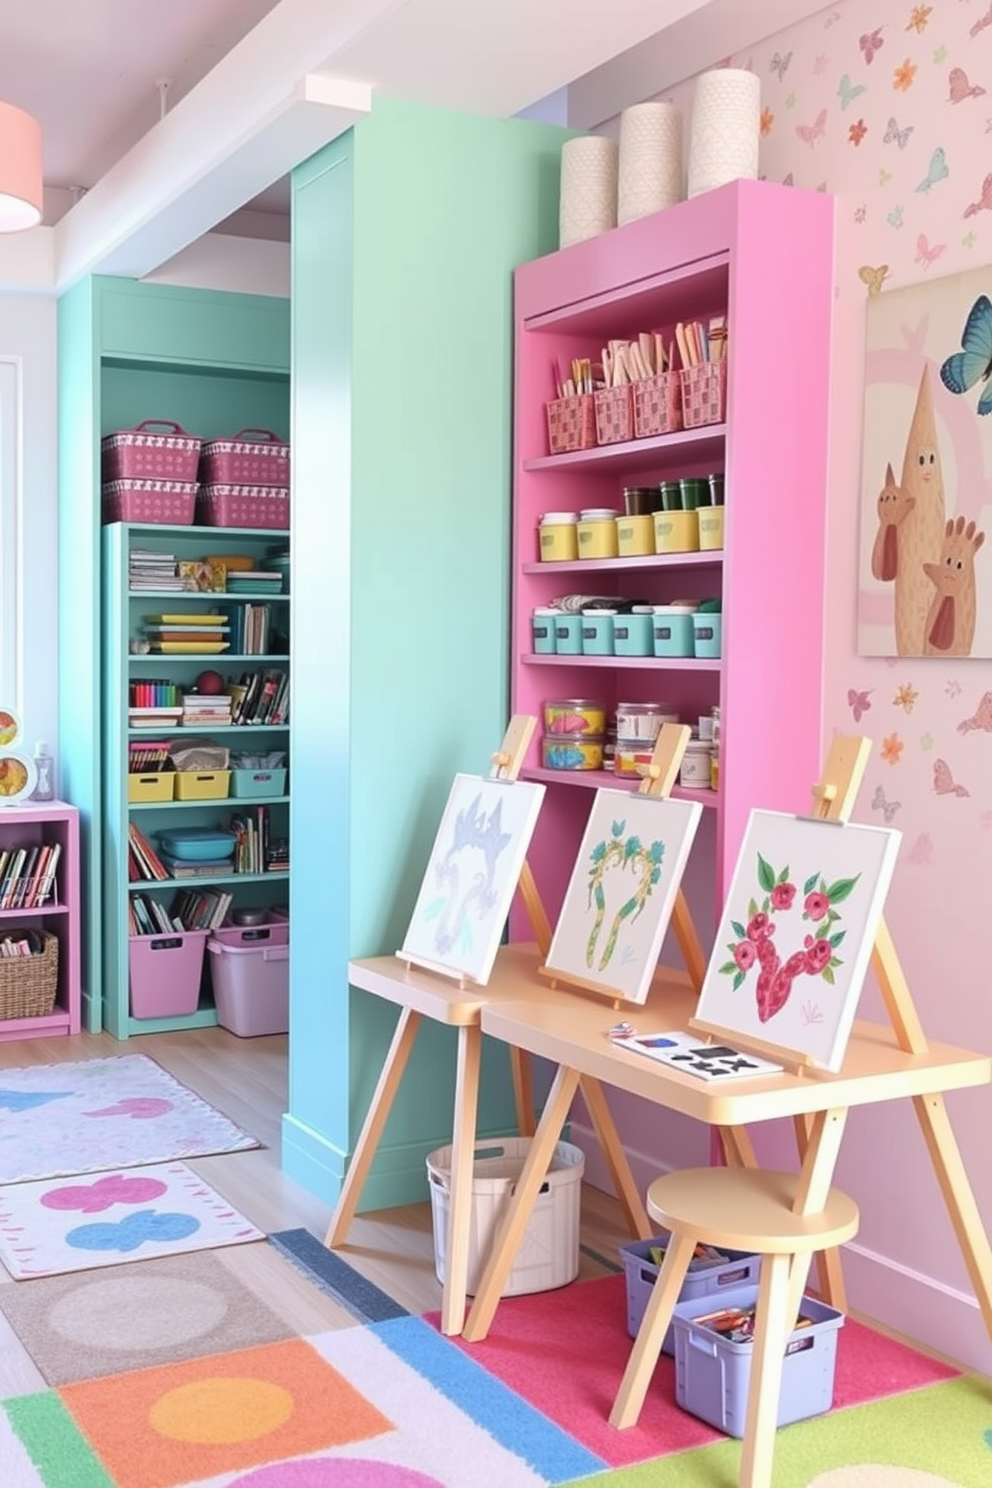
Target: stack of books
{"x": 149, "y": 571}
{"x": 260, "y": 697}
{"x": 143, "y": 862}
{"x": 201, "y": 909}
{"x": 27, "y": 875}
{"x": 206, "y": 710}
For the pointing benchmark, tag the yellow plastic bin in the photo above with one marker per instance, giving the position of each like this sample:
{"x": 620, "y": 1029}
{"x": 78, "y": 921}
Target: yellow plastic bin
{"x": 157, "y": 786}
{"x": 202, "y": 785}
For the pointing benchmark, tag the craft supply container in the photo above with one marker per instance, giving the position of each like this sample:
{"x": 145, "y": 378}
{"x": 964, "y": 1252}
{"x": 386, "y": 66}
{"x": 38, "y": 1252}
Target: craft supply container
{"x": 695, "y": 492}
{"x": 597, "y": 532}
{"x": 707, "y": 629}
{"x": 672, "y": 631}
{"x": 557, "y": 537}
{"x": 568, "y": 635}
{"x": 636, "y": 721}
{"x": 710, "y": 528}
{"x": 705, "y": 1278}
{"x": 635, "y": 536}
{"x": 716, "y": 482}
{"x": 571, "y": 424}
{"x": 633, "y": 635}
{"x": 694, "y": 772}
{"x": 542, "y": 624}
{"x": 670, "y": 492}
{"x": 641, "y": 501}
{"x": 597, "y": 632}
{"x": 676, "y": 531}
{"x": 572, "y": 752}
{"x": 575, "y": 716}
{"x": 631, "y": 755}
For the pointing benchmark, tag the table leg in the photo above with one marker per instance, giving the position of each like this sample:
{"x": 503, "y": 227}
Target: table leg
{"x": 959, "y": 1198}
{"x": 651, "y": 1334}
{"x": 828, "y": 1262}
{"x": 771, "y": 1329}
{"x": 738, "y": 1150}
{"x": 462, "y": 1165}
{"x": 375, "y": 1121}
{"x": 510, "y": 1233}
{"x": 824, "y": 1135}
{"x": 523, "y": 1091}
{"x": 616, "y": 1159}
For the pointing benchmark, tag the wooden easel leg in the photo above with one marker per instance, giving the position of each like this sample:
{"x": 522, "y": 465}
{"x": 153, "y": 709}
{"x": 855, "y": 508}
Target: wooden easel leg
{"x": 521, "y": 1072}
{"x": 651, "y": 1334}
{"x": 823, "y": 1138}
{"x": 959, "y": 1197}
{"x": 771, "y": 1329}
{"x": 462, "y": 1164}
{"x": 375, "y": 1121}
{"x": 510, "y": 1233}
{"x": 616, "y": 1159}
{"x": 685, "y": 934}
{"x": 828, "y": 1262}
{"x": 738, "y": 1150}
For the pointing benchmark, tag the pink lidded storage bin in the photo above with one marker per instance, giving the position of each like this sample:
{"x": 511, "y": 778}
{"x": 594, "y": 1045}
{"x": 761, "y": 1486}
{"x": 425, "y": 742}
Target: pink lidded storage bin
{"x": 146, "y": 500}
{"x": 242, "y": 461}
{"x": 251, "y": 981}
{"x": 157, "y": 449}
{"x": 244, "y": 506}
{"x": 165, "y": 972}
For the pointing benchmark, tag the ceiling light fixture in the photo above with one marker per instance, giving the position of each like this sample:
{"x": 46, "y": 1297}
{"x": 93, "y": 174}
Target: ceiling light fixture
{"x": 21, "y": 190}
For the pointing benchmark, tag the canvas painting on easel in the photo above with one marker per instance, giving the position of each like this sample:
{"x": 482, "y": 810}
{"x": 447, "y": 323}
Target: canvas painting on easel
{"x": 472, "y": 874}
{"x": 796, "y": 934}
{"x": 620, "y": 896}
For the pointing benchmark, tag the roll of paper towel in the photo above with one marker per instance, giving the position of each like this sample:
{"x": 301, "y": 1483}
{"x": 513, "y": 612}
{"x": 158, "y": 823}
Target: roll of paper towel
{"x": 588, "y": 203}
{"x": 726, "y": 123}
{"x": 650, "y": 164}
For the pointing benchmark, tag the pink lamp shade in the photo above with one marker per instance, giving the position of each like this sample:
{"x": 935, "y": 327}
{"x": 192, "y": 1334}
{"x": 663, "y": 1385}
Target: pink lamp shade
{"x": 20, "y": 169}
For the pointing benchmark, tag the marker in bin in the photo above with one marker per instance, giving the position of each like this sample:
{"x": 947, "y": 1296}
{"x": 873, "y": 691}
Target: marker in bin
{"x": 736, "y": 1324}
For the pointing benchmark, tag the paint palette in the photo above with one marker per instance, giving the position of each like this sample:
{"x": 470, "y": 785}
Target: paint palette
{"x": 712, "y": 1062}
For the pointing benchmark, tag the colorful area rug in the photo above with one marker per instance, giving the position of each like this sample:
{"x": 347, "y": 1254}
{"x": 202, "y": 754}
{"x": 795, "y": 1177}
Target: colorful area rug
{"x": 122, "y": 1112}
{"x": 391, "y": 1404}
{"x": 58, "y": 1224}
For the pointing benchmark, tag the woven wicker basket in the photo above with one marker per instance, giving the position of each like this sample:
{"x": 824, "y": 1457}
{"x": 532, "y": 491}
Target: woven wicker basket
{"x": 28, "y": 984}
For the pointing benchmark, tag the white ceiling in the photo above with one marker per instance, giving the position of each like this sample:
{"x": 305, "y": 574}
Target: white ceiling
{"x": 92, "y": 70}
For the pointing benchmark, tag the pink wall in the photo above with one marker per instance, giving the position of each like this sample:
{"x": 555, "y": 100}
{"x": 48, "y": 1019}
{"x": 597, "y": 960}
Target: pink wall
{"x": 898, "y": 59}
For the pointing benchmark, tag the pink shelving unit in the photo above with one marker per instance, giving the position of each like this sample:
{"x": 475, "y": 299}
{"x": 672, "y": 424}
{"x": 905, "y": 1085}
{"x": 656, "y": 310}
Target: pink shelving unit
{"x": 761, "y": 254}
{"x": 30, "y": 826}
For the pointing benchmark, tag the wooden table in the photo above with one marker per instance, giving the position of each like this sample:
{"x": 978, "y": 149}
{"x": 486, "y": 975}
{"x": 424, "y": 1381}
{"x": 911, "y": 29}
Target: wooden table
{"x": 574, "y": 1038}
{"x": 425, "y": 994}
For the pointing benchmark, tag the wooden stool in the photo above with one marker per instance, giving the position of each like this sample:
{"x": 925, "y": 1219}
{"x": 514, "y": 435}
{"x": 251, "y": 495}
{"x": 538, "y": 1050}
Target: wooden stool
{"x": 747, "y": 1209}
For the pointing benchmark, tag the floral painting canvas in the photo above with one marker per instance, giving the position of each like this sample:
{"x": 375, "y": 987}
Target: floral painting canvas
{"x": 620, "y": 895}
{"x": 797, "y": 931}
{"x": 472, "y": 874}
{"x": 925, "y": 570}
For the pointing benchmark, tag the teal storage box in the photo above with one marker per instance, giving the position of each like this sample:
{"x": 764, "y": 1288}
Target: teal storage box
{"x": 597, "y": 632}
{"x": 543, "y": 631}
{"x": 705, "y": 1279}
{"x": 633, "y": 635}
{"x": 258, "y": 783}
{"x": 673, "y": 631}
{"x": 197, "y": 844}
{"x": 707, "y": 631}
{"x": 568, "y": 635}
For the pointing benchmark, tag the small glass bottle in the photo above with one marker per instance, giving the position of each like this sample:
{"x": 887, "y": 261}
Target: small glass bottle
{"x": 45, "y": 766}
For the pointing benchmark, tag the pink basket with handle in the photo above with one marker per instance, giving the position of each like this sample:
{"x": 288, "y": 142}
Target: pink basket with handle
{"x": 163, "y": 501}
{"x": 244, "y": 506}
{"x": 242, "y": 461}
{"x": 157, "y": 449}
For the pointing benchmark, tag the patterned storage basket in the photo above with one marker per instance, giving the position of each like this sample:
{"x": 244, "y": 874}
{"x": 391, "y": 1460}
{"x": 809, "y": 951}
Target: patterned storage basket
{"x": 240, "y": 461}
{"x": 244, "y": 506}
{"x": 28, "y": 984}
{"x": 168, "y": 501}
{"x": 571, "y": 424}
{"x": 614, "y": 414}
{"x": 658, "y": 405}
{"x": 147, "y": 453}
{"x": 704, "y": 394}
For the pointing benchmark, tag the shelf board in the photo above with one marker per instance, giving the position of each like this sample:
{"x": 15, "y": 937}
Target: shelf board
{"x": 205, "y": 658}
{"x": 156, "y": 529}
{"x": 711, "y": 559}
{"x": 185, "y": 595}
{"x": 605, "y": 779}
{"x": 21, "y": 1028}
{"x": 141, "y": 884}
{"x": 652, "y": 663}
{"x": 236, "y": 801}
{"x": 179, "y": 729}
{"x": 635, "y": 454}
{"x": 37, "y": 909}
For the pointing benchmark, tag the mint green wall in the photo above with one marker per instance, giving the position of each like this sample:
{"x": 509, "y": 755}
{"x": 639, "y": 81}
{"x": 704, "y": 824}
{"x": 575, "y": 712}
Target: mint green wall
{"x": 405, "y": 235}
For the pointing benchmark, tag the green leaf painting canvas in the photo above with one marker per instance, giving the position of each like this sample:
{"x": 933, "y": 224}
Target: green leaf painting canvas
{"x": 797, "y": 931}
{"x": 621, "y": 892}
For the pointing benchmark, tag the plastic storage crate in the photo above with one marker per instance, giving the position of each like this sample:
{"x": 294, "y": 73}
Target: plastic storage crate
{"x": 241, "y": 461}
{"x": 251, "y": 980}
{"x": 549, "y": 1253}
{"x": 713, "y": 1375}
{"x": 156, "y": 449}
{"x": 247, "y": 783}
{"x": 165, "y": 973}
{"x": 705, "y": 1279}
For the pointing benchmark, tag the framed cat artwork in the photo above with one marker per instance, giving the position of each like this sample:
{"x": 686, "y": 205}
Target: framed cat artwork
{"x": 925, "y": 565}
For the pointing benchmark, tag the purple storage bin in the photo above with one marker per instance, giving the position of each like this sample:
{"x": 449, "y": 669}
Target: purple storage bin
{"x": 272, "y": 931}
{"x": 165, "y": 972}
{"x": 713, "y": 1375}
{"x": 251, "y": 982}
{"x": 704, "y": 1279}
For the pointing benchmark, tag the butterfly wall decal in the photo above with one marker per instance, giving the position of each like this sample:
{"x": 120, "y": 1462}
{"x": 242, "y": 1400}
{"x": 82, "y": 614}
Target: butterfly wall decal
{"x": 982, "y": 22}
{"x": 984, "y": 202}
{"x": 921, "y": 852}
{"x": 981, "y": 718}
{"x": 847, "y": 91}
{"x": 973, "y": 363}
{"x": 943, "y": 781}
{"x": 780, "y": 64}
{"x": 870, "y": 42}
{"x": 810, "y": 133}
{"x": 874, "y": 278}
{"x": 894, "y": 135}
{"x": 959, "y": 87}
{"x": 894, "y": 218}
{"x": 858, "y": 702}
{"x": 936, "y": 171}
{"x": 926, "y": 255}
{"x": 887, "y": 808}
